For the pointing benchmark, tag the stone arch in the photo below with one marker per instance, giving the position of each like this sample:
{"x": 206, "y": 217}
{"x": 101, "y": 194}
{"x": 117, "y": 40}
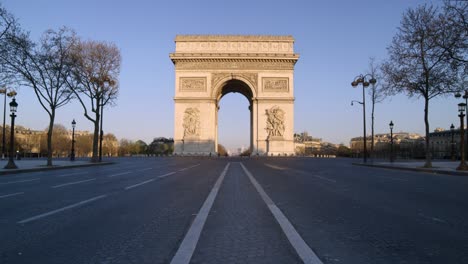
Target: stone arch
{"x": 207, "y": 67}
{"x": 218, "y": 83}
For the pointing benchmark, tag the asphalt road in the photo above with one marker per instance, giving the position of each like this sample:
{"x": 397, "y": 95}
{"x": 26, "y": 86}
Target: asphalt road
{"x": 258, "y": 210}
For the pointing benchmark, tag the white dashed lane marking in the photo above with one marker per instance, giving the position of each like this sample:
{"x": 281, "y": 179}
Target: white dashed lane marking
{"x": 27, "y": 220}
{"x": 72, "y": 183}
{"x": 119, "y": 174}
{"x": 73, "y": 174}
{"x": 11, "y": 194}
{"x": 20, "y": 181}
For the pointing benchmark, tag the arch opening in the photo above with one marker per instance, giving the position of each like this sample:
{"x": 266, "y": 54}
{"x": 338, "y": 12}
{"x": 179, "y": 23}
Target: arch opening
{"x": 233, "y": 118}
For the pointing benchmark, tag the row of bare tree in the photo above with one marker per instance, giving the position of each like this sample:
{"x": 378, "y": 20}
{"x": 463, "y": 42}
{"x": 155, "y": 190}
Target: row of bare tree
{"x": 60, "y": 68}
{"x": 427, "y": 58}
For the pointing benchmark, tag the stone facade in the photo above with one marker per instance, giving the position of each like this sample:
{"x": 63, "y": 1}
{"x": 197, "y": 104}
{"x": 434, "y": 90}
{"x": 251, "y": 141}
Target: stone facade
{"x": 207, "y": 67}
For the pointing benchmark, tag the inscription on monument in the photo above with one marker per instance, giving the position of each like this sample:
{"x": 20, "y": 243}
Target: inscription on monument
{"x": 275, "y": 85}
{"x": 192, "y": 84}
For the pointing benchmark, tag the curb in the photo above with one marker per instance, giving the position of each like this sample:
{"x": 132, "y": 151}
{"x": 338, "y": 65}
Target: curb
{"x": 432, "y": 171}
{"x": 17, "y": 171}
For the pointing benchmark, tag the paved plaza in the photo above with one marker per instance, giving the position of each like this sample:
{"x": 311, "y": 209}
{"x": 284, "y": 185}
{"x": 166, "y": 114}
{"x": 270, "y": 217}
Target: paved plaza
{"x": 232, "y": 210}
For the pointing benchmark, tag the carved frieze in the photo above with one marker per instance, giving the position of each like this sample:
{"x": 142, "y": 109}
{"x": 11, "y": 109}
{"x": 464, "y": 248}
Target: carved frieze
{"x": 235, "y": 64}
{"x": 275, "y": 85}
{"x": 275, "y": 122}
{"x": 191, "y": 122}
{"x": 192, "y": 84}
{"x": 233, "y": 43}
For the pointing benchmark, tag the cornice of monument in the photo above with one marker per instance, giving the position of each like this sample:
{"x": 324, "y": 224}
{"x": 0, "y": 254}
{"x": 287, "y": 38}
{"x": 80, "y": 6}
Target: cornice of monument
{"x": 209, "y": 38}
{"x": 257, "y": 57}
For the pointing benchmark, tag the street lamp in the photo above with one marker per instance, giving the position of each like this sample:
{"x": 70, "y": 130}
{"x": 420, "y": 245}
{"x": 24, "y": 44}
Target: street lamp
{"x": 11, "y": 162}
{"x": 391, "y": 140}
{"x": 363, "y": 80}
{"x": 9, "y": 94}
{"x": 452, "y": 130}
{"x": 461, "y": 110}
{"x": 72, "y": 155}
{"x": 465, "y": 96}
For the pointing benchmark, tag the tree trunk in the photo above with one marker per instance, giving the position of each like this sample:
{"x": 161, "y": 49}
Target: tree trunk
{"x": 49, "y": 137}
{"x": 95, "y": 157}
{"x": 428, "y": 163}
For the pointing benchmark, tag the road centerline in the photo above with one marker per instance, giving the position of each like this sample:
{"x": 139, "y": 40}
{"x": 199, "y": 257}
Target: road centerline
{"x": 72, "y": 183}
{"x": 188, "y": 245}
{"x": 306, "y": 254}
{"x": 27, "y": 220}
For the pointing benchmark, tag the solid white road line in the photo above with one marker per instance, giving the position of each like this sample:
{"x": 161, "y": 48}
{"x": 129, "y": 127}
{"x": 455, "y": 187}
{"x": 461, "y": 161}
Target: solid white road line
{"x": 61, "y": 209}
{"x": 73, "y": 174}
{"x": 138, "y": 184}
{"x": 167, "y": 174}
{"x": 11, "y": 182}
{"x": 11, "y": 194}
{"x": 301, "y": 247}
{"x": 119, "y": 174}
{"x": 72, "y": 183}
{"x": 187, "y": 247}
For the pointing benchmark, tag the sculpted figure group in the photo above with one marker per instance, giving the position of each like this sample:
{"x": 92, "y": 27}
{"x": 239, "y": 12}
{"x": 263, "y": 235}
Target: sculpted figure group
{"x": 275, "y": 122}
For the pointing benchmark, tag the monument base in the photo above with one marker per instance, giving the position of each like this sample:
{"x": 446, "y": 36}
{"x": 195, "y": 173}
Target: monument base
{"x": 194, "y": 147}
{"x": 277, "y": 146}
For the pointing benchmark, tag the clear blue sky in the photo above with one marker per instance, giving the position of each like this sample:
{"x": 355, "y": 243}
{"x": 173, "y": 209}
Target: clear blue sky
{"x": 334, "y": 39}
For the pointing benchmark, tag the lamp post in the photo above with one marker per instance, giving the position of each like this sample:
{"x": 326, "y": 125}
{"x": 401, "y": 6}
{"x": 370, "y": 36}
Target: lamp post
{"x": 464, "y": 96}
{"x": 72, "y": 155}
{"x": 391, "y": 140}
{"x": 11, "y": 162}
{"x": 362, "y": 79}
{"x": 461, "y": 110}
{"x": 9, "y": 94}
{"x": 452, "y": 130}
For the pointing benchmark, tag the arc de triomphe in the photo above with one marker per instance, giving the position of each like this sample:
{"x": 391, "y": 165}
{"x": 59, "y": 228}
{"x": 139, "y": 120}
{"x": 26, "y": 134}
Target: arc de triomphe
{"x": 207, "y": 67}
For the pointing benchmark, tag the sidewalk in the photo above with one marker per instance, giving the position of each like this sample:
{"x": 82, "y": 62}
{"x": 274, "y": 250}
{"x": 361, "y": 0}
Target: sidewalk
{"x": 439, "y": 167}
{"x": 31, "y": 165}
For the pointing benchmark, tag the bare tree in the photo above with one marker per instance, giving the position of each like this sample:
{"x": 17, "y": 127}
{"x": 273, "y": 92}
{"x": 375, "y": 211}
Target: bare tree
{"x": 97, "y": 68}
{"x": 455, "y": 30}
{"x": 45, "y": 68}
{"x": 376, "y": 93}
{"x": 8, "y": 26}
{"x": 417, "y": 65}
